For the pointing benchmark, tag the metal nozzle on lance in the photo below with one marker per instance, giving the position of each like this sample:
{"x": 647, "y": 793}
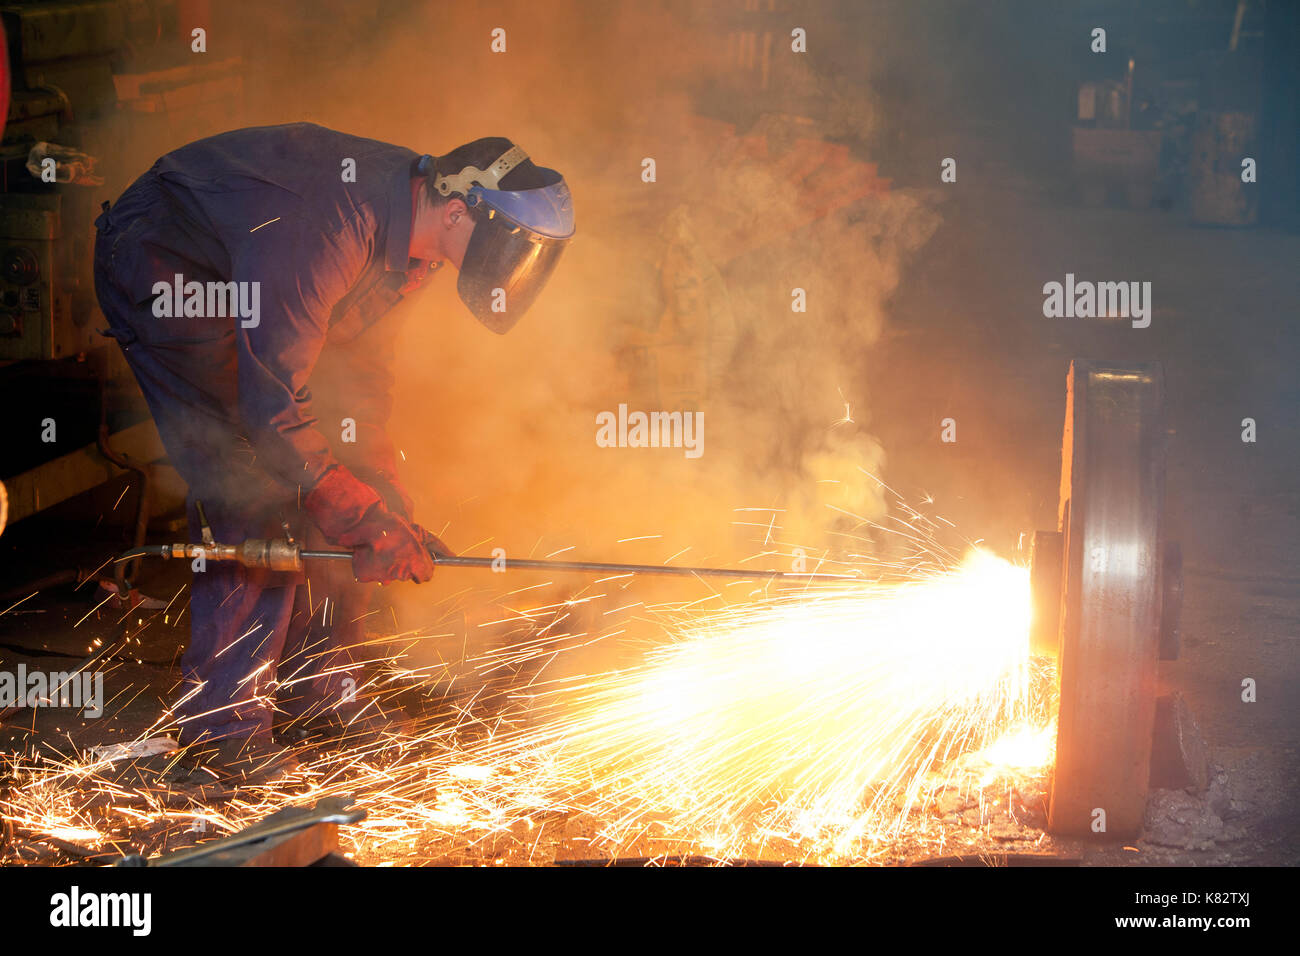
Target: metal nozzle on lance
{"x": 272, "y": 554}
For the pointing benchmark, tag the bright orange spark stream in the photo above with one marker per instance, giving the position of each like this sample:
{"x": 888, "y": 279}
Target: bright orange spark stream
{"x": 816, "y": 716}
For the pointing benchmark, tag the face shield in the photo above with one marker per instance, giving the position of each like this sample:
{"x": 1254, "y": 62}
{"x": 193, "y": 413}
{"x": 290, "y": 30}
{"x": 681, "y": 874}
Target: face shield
{"x": 517, "y": 240}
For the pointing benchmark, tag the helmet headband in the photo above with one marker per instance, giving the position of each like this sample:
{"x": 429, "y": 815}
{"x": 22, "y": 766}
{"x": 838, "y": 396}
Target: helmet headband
{"x": 489, "y": 178}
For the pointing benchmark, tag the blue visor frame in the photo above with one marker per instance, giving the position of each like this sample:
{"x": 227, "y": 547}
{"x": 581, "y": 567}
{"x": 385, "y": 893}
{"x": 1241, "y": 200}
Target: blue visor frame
{"x": 546, "y": 211}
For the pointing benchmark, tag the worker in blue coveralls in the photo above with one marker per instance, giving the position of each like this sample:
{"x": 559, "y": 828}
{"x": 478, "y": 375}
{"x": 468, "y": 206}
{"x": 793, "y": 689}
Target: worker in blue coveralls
{"x": 246, "y": 277}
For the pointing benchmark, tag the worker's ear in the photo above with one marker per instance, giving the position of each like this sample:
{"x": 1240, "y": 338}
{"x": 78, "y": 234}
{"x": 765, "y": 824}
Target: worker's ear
{"x": 457, "y": 225}
{"x": 455, "y": 215}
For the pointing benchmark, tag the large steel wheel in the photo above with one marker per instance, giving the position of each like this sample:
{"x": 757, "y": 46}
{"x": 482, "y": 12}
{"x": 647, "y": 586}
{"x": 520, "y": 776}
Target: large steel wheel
{"x": 1112, "y": 485}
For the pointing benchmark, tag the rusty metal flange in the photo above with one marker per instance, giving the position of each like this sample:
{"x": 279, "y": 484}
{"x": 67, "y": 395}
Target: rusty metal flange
{"x": 1112, "y": 486}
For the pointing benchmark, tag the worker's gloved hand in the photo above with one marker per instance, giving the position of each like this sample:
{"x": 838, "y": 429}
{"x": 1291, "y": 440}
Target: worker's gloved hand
{"x": 387, "y": 547}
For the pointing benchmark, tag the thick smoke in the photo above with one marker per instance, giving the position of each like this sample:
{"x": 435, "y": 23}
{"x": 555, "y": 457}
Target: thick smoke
{"x": 676, "y": 294}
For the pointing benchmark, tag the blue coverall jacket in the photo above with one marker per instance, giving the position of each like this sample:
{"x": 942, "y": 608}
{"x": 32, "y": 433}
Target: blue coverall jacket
{"x": 234, "y": 401}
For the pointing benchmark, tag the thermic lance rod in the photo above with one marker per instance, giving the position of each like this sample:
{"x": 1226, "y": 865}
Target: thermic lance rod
{"x": 599, "y": 567}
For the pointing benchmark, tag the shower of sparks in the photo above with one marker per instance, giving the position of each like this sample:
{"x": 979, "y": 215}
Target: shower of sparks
{"x": 815, "y": 721}
{"x": 810, "y": 724}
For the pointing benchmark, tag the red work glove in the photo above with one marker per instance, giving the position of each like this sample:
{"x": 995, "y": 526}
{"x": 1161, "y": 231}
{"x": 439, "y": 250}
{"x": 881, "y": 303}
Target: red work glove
{"x": 387, "y": 547}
